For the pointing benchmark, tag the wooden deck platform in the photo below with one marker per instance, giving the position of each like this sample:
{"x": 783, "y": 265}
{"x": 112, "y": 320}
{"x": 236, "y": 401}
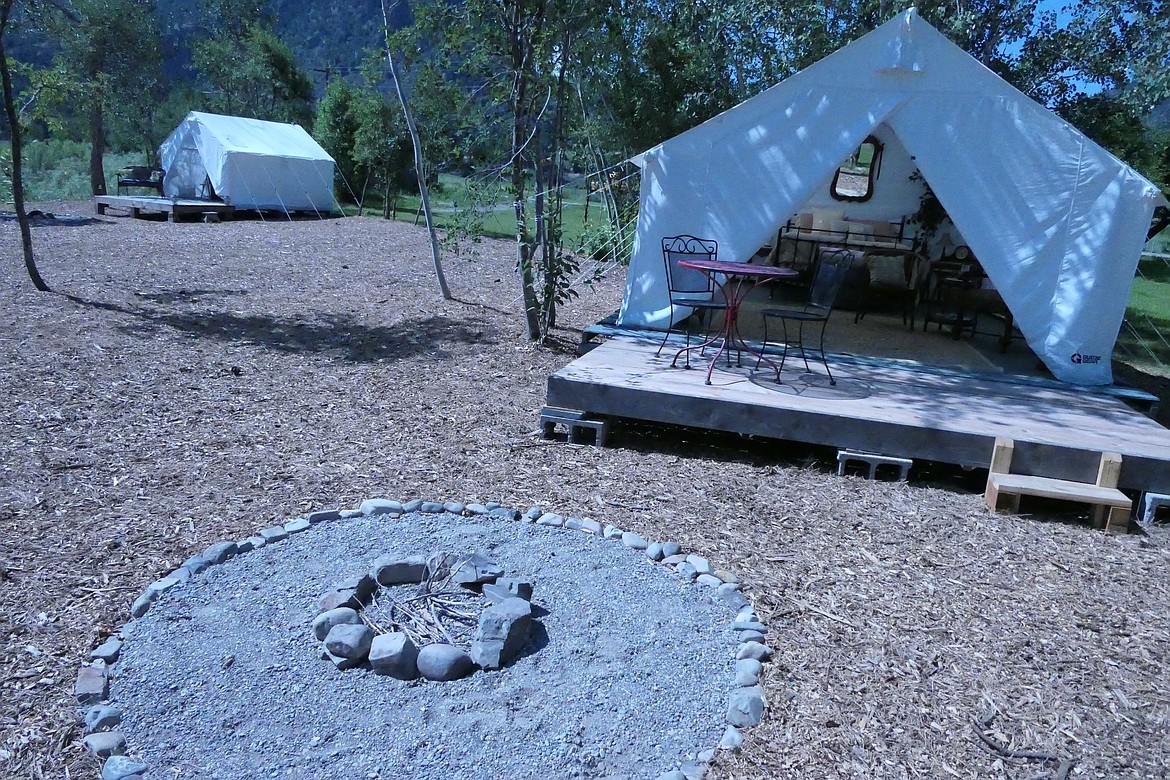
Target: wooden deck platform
{"x": 175, "y": 210}
{"x": 893, "y": 407}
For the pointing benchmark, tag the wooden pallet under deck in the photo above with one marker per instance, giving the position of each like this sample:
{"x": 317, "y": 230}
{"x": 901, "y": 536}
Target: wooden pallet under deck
{"x": 897, "y": 408}
{"x": 174, "y": 210}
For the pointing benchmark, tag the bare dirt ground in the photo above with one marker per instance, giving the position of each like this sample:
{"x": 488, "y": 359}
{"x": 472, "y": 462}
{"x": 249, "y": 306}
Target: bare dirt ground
{"x": 192, "y": 383}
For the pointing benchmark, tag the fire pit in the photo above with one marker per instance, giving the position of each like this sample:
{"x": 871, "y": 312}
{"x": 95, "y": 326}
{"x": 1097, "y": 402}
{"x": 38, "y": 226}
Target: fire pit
{"x": 640, "y": 661}
{"x": 440, "y": 617}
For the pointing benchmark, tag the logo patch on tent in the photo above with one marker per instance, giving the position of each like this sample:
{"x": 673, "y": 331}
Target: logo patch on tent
{"x": 1085, "y": 360}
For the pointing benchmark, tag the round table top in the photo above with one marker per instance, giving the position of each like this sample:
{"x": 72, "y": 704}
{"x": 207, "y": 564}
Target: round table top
{"x": 730, "y": 268}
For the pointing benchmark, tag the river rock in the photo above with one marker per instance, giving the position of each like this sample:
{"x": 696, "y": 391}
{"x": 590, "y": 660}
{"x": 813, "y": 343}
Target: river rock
{"x": 93, "y": 683}
{"x": 503, "y": 632}
{"x": 746, "y": 706}
{"x": 755, "y": 650}
{"x": 218, "y": 553}
{"x": 341, "y": 616}
{"x": 393, "y": 570}
{"x": 380, "y": 506}
{"x": 442, "y": 663}
{"x": 102, "y": 717}
{"x": 105, "y": 743}
{"x": 275, "y": 533}
{"x": 122, "y": 768}
{"x": 477, "y": 570}
{"x": 394, "y": 655}
{"x": 701, "y": 564}
{"x": 633, "y": 541}
{"x": 107, "y": 651}
{"x": 323, "y": 516}
{"x": 732, "y": 739}
{"x": 349, "y": 641}
{"x": 747, "y": 672}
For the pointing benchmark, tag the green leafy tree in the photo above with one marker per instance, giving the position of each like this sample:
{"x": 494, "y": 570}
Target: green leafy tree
{"x": 105, "y": 80}
{"x": 364, "y": 135}
{"x": 12, "y": 114}
{"x": 1117, "y": 126}
{"x": 514, "y": 61}
{"x": 381, "y": 148}
{"x": 248, "y": 69}
{"x": 335, "y": 128}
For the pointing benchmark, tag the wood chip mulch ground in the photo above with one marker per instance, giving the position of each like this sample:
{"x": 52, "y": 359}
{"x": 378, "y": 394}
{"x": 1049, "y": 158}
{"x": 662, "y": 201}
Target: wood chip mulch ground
{"x": 192, "y": 383}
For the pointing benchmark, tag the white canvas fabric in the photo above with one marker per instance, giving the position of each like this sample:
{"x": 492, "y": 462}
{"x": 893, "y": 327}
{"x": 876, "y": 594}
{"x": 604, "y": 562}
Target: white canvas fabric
{"x": 1057, "y": 222}
{"x": 249, "y": 163}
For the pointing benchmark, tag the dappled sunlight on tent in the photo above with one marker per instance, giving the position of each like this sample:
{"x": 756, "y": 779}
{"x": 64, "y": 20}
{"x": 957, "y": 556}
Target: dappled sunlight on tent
{"x": 1056, "y": 221}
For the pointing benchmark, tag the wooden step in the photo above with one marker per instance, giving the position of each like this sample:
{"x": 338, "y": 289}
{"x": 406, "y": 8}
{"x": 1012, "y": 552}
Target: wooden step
{"x": 1061, "y": 489}
{"x": 1111, "y": 507}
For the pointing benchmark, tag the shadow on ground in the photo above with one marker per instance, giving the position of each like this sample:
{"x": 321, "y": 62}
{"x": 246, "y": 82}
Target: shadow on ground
{"x": 339, "y": 335}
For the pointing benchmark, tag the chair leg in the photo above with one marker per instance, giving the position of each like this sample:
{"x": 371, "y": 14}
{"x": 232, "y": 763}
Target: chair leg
{"x": 800, "y": 344}
{"x": 663, "y": 344}
{"x": 686, "y": 353}
{"x": 824, "y": 358}
{"x": 764, "y": 347}
{"x": 784, "y": 354}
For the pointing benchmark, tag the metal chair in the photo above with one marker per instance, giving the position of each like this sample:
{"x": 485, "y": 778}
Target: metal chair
{"x": 830, "y": 274}
{"x": 947, "y": 292}
{"x": 689, "y": 287}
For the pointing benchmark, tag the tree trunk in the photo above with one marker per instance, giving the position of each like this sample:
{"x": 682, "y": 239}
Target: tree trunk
{"x": 30, "y": 262}
{"x": 97, "y": 146}
{"x": 419, "y": 166}
{"x": 362, "y": 202}
{"x": 519, "y": 105}
{"x": 554, "y": 234}
{"x": 542, "y": 247}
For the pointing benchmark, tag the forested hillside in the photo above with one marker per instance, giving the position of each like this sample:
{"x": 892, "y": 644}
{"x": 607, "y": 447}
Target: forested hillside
{"x": 327, "y": 37}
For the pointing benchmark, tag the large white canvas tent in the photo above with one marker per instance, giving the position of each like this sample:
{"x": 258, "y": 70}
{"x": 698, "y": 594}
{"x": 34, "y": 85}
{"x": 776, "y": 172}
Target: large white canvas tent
{"x": 249, "y": 163}
{"x": 1057, "y": 222}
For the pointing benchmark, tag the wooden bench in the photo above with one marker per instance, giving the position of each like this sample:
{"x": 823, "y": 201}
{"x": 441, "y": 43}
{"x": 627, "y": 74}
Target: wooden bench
{"x": 1111, "y": 507}
{"x": 141, "y": 176}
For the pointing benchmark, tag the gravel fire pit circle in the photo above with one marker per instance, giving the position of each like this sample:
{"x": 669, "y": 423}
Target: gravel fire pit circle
{"x": 425, "y": 615}
{"x": 642, "y": 660}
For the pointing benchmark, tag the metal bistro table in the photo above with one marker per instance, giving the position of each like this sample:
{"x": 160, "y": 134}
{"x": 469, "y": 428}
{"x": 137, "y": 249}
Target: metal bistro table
{"x": 739, "y": 279}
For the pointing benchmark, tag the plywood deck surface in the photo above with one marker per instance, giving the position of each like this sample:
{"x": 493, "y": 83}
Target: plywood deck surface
{"x": 891, "y": 407}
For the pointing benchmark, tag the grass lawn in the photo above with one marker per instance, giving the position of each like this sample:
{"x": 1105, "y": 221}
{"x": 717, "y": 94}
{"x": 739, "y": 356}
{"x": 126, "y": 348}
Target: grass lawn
{"x": 454, "y": 194}
{"x": 1145, "y": 340}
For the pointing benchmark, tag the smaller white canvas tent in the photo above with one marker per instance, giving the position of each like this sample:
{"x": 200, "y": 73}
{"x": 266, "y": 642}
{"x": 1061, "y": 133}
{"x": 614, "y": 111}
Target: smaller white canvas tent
{"x": 248, "y": 163}
{"x": 1057, "y": 222}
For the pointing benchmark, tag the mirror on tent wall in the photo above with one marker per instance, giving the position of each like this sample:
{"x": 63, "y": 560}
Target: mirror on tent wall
{"x": 854, "y": 180}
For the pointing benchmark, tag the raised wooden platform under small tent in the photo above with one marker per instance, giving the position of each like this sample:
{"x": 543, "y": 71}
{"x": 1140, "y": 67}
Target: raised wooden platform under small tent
{"x": 175, "y": 210}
